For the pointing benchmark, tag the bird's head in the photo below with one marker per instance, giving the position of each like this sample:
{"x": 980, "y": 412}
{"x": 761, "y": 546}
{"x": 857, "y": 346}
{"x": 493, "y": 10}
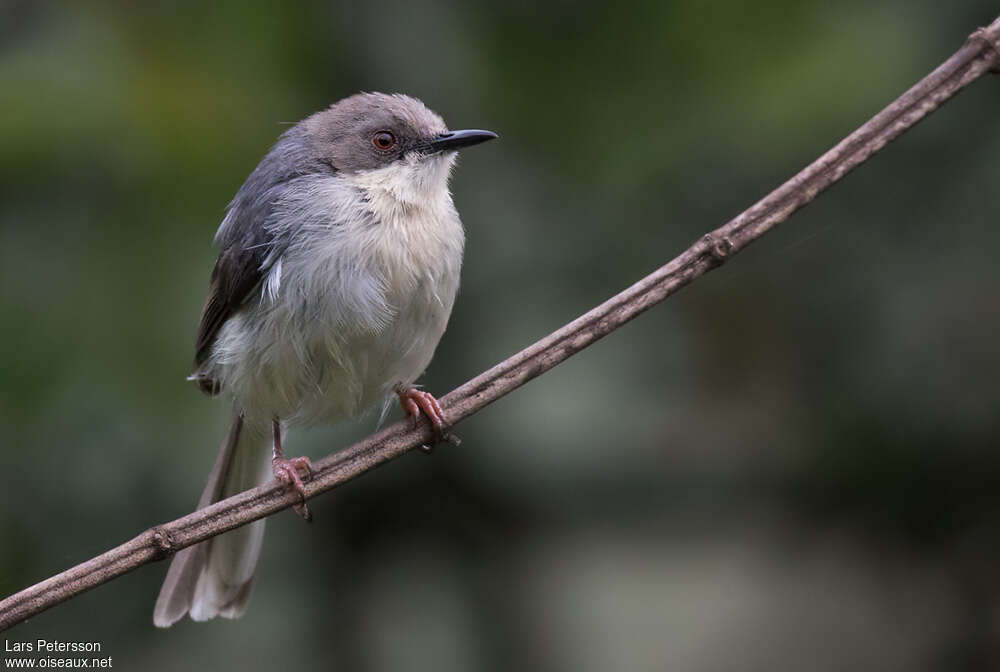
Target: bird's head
{"x": 389, "y": 141}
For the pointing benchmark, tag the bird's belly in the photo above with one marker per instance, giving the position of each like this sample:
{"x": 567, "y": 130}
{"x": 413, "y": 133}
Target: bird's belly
{"x": 351, "y": 377}
{"x": 304, "y": 364}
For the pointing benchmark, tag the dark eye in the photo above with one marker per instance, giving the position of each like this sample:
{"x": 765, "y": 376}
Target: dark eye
{"x": 384, "y": 140}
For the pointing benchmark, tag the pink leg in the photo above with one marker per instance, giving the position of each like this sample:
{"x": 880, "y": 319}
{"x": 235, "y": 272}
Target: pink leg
{"x": 417, "y": 402}
{"x": 287, "y": 471}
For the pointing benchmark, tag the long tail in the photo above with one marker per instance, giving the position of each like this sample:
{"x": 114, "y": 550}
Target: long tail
{"x": 214, "y": 578}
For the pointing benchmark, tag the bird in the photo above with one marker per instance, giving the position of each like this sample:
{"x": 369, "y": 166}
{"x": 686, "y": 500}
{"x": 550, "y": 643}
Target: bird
{"x": 339, "y": 264}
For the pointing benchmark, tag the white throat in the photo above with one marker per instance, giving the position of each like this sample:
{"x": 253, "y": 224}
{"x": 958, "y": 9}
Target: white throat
{"x": 415, "y": 181}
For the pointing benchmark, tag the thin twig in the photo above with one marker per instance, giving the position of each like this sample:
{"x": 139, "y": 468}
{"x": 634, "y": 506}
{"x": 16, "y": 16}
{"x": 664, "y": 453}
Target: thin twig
{"x": 981, "y": 53}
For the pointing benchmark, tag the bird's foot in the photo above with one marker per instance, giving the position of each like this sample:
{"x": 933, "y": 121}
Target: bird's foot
{"x": 417, "y": 402}
{"x": 286, "y": 470}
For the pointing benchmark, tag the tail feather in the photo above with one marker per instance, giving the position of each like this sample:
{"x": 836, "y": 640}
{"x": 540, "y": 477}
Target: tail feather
{"x": 215, "y": 577}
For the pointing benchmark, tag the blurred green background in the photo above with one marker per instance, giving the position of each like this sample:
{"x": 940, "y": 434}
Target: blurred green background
{"x": 791, "y": 465}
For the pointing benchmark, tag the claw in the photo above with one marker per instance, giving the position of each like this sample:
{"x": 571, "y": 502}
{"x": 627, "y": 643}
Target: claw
{"x": 416, "y": 403}
{"x": 286, "y": 470}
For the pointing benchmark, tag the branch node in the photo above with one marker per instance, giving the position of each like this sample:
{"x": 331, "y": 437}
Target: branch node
{"x": 163, "y": 543}
{"x": 718, "y": 246}
{"x": 986, "y": 36}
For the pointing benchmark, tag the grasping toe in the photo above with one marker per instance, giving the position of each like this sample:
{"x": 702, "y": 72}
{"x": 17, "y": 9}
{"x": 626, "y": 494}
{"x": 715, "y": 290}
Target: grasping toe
{"x": 416, "y": 403}
{"x": 287, "y": 471}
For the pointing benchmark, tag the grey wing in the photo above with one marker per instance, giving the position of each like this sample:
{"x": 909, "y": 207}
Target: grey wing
{"x": 248, "y": 250}
{"x": 238, "y": 270}
{"x": 250, "y": 240}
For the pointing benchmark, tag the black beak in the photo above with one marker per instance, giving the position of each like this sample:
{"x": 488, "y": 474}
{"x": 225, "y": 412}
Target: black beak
{"x": 457, "y": 139}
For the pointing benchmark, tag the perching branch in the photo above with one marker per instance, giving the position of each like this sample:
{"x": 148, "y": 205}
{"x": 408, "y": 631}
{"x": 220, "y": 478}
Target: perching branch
{"x": 981, "y": 53}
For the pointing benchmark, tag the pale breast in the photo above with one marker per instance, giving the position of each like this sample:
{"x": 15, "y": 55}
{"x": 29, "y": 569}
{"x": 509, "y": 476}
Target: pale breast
{"x": 355, "y": 305}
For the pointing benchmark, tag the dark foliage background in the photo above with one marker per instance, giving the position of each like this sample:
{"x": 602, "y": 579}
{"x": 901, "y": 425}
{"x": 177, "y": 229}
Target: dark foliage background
{"x": 791, "y": 465}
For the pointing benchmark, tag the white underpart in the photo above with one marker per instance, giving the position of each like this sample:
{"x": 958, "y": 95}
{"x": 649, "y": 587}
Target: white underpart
{"x": 357, "y": 302}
